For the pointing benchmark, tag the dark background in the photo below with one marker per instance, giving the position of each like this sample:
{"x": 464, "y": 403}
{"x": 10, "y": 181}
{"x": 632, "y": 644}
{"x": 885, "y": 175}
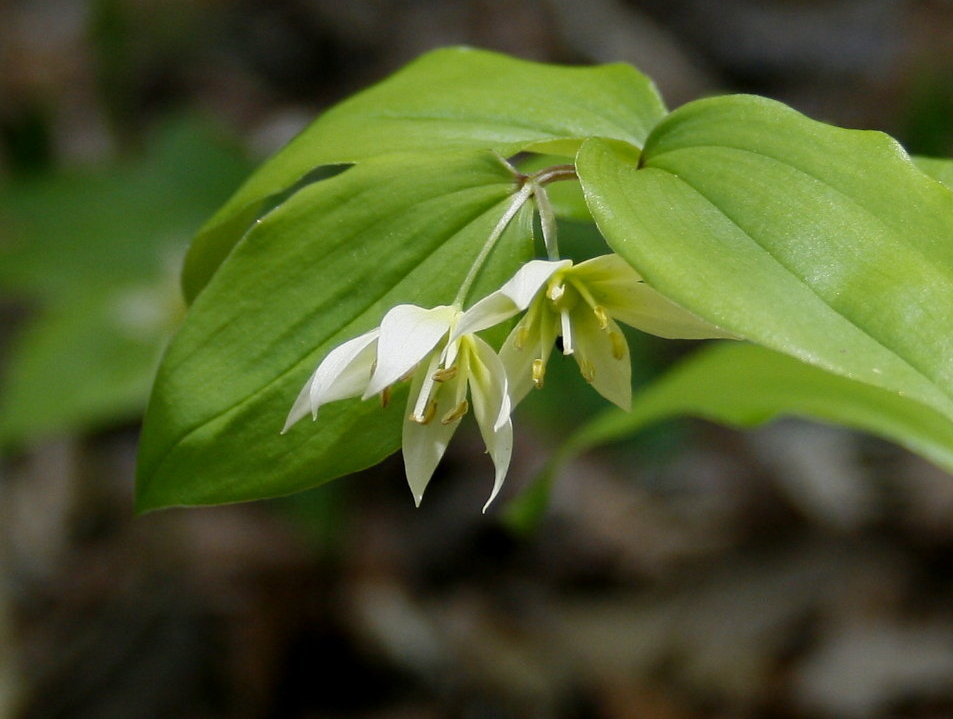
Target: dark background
{"x": 797, "y": 570}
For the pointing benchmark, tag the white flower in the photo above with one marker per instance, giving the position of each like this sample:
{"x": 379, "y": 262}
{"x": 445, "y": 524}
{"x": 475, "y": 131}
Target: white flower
{"x": 415, "y": 342}
{"x": 580, "y": 303}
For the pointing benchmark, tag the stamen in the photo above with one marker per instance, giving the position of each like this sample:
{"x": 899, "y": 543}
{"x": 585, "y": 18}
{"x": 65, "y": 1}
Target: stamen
{"x": 587, "y": 369}
{"x": 539, "y": 372}
{"x": 427, "y": 390}
{"x": 566, "y": 332}
{"x": 445, "y": 373}
{"x": 522, "y": 334}
{"x": 456, "y": 413}
{"x": 618, "y": 345}
{"x": 600, "y": 312}
{"x": 385, "y": 397}
{"x": 555, "y": 291}
{"x": 427, "y": 415}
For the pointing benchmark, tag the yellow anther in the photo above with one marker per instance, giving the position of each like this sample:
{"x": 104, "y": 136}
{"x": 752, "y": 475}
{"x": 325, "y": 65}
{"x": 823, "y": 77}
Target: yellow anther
{"x": 456, "y": 413}
{"x": 522, "y": 334}
{"x": 555, "y": 291}
{"x": 600, "y": 312}
{"x": 539, "y": 372}
{"x": 445, "y": 373}
{"x": 587, "y": 369}
{"x": 428, "y": 414}
{"x": 618, "y": 345}
{"x": 385, "y": 397}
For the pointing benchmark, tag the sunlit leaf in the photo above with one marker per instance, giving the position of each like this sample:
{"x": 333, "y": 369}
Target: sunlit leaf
{"x": 447, "y": 100}
{"x": 937, "y": 168}
{"x": 823, "y": 243}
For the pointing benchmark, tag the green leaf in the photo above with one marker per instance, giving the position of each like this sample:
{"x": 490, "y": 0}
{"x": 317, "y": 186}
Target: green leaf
{"x": 746, "y": 385}
{"x": 823, "y": 243}
{"x": 92, "y": 252}
{"x": 86, "y": 364}
{"x": 447, "y": 100}
{"x": 74, "y": 230}
{"x": 938, "y": 168}
{"x": 316, "y": 271}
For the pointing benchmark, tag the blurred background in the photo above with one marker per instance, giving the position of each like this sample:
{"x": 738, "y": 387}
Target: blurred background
{"x": 793, "y": 571}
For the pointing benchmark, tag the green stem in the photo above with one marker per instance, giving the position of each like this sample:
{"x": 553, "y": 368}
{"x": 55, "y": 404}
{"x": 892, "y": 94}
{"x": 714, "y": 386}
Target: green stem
{"x": 519, "y": 199}
{"x": 532, "y": 185}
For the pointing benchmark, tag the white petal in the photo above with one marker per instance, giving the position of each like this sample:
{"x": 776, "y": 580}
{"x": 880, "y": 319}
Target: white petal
{"x": 647, "y": 310}
{"x": 491, "y": 407}
{"x": 538, "y": 330}
{"x": 346, "y": 370}
{"x": 620, "y": 290}
{"x": 609, "y": 267}
{"x": 513, "y": 297}
{"x": 408, "y": 334}
{"x": 423, "y": 445}
{"x": 603, "y": 357}
{"x": 301, "y": 406}
{"x": 344, "y": 373}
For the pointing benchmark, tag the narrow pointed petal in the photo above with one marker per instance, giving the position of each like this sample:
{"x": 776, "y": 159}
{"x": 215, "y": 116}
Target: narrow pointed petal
{"x": 606, "y": 268}
{"x": 529, "y": 341}
{"x": 423, "y": 445}
{"x": 488, "y": 385}
{"x": 500, "y": 447}
{"x": 517, "y": 356}
{"x": 491, "y": 408}
{"x": 513, "y": 297}
{"x": 603, "y": 357}
{"x": 301, "y": 407}
{"x": 649, "y": 311}
{"x": 408, "y": 334}
{"x": 626, "y": 297}
{"x": 345, "y": 372}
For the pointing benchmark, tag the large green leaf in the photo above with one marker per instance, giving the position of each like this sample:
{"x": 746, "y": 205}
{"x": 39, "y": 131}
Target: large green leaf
{"x": 746, "y": 385}
{"x": 938, "y": 168}
{"x": 447, "y": 100}
{"x": 319, "y": 269}
{"x": 823, "y": 243}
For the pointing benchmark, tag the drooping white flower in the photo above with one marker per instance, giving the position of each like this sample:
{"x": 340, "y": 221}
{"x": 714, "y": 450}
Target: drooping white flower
{"x": 416, "y": 342}
{"x": 580, "y": 303}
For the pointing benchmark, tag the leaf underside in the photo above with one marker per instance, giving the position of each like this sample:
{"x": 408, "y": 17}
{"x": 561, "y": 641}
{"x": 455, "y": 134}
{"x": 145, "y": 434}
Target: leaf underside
{"x": 745, "y": 385}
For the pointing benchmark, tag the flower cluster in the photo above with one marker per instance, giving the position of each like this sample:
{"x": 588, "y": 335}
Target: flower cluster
{"x": 452, "y": 370}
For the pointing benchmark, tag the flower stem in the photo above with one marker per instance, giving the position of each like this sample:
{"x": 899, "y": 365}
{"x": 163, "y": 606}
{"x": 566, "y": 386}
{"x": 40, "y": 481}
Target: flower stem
{"x": 532, "y": 185}
{"x": 519, "y": 199}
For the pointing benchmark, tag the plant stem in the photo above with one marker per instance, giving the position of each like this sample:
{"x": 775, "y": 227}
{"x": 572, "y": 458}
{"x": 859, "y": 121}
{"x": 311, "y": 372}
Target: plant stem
{"x": 531, "y": 185}
{"x": 519, "y": 199}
